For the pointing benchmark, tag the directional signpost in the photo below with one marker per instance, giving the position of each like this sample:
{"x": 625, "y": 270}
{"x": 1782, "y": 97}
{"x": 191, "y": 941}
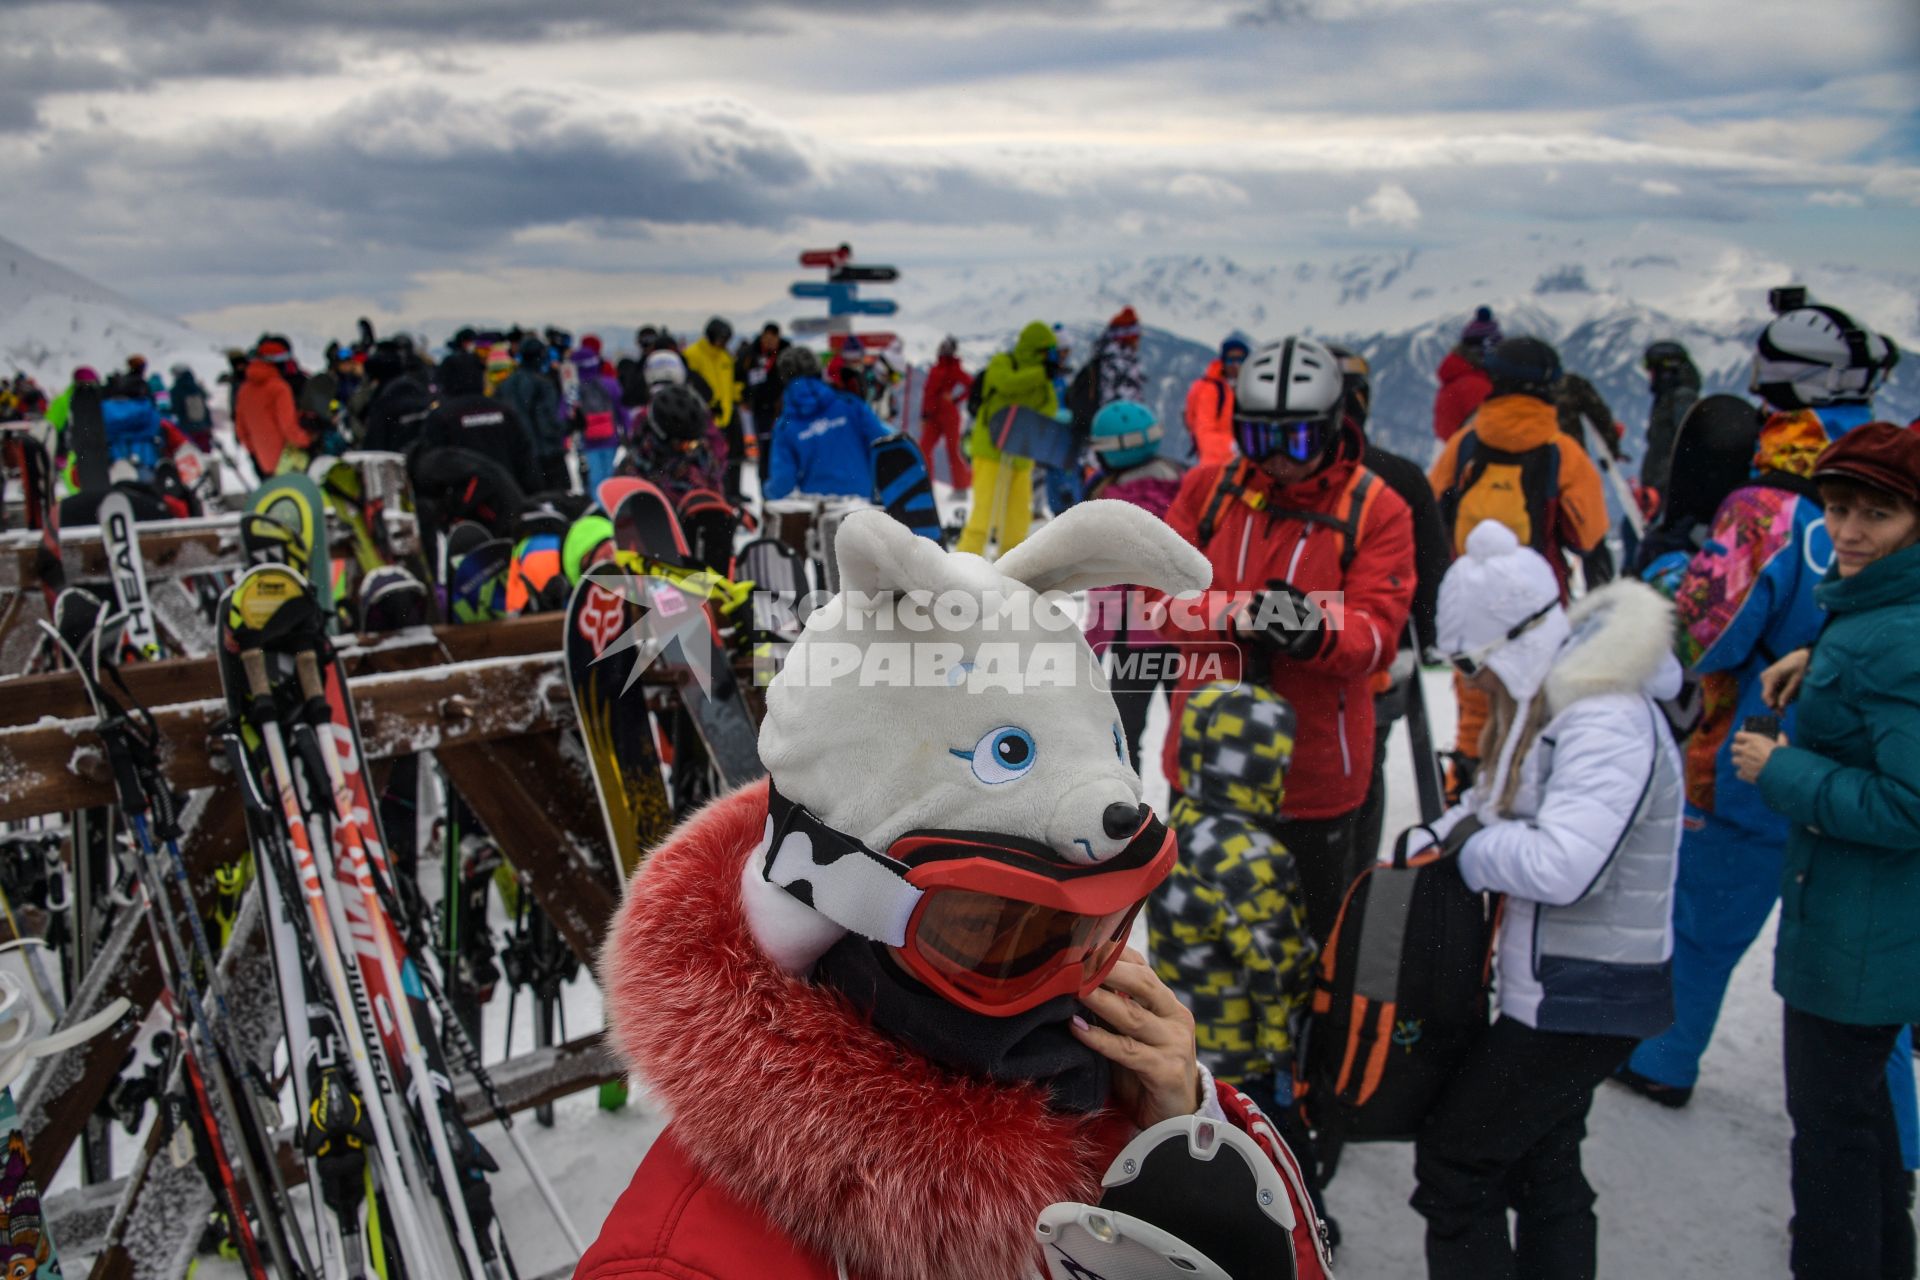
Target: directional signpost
{"x": 841, "y": 292}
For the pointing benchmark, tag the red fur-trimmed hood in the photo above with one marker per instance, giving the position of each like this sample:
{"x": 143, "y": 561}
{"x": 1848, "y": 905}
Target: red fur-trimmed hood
{"x": 780, "y": 1091}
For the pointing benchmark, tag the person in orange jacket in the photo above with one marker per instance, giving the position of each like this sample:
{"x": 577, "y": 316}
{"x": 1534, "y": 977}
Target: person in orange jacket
{"x": 264, "y": 417}
{"x": 1209, "y": 412}
{"x": 1464, "y": 384}
{"x": 1513, "y": 463}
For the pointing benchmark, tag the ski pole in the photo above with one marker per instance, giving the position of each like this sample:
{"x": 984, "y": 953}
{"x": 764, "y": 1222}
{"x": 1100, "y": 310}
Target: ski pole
{"x": 162, "y": 811}
{"x": 476, "y": 1067}
{"x": 254, "y": 666}
{"x": 346, "y": 831}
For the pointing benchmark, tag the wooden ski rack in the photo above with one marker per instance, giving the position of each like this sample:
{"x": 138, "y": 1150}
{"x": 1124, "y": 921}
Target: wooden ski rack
{"x": 490, "y": 700}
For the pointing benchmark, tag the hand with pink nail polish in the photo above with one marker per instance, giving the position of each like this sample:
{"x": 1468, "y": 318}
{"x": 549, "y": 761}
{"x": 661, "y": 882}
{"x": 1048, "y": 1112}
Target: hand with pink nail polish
{"x": 1151, "y": 1042}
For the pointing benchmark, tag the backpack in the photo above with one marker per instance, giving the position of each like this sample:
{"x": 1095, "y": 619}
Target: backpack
{"x": 1399, "y": 996}
{"x": 1361, "y": 490}
{"x": 1520, "y": 490}
{"x": 597, "y": 422}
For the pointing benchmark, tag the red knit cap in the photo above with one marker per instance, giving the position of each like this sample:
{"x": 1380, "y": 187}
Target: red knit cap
{"x": 1878, "y": 454}
{"x": 1124, "y": 319}
{"x": 591, "y": 342}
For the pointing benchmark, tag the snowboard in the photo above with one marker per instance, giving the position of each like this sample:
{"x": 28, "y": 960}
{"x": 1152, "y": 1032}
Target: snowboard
{"x": 1028, "y": 433}
{"x": 644, "y": 521}
{"x": 614, "y": 490}
{"x": 122, "y": 539}
{"x": 477, "y": 581}
{"x": 1600, "y": 449}
{"x": 340, "y": 486}
{"x": 535, "y": 583}
{"x": 644, "y": 524}
{"x": 87, "y": 440}
{"x": 614, "y": 725}
{"x": 901, "y": 485}
{"x": 1712, "y": 456}
{"x": 708, "y": 520}
{"x": 289, "y": 526}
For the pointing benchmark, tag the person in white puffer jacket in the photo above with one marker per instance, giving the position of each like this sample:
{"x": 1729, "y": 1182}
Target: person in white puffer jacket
{"x": 1577, "y": 822}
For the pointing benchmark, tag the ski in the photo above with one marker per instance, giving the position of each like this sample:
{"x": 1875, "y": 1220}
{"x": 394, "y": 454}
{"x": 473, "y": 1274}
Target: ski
{"x": 122, "y": 541}
{"x": 208, "y": 1050}
{"x": 252, "y": 614}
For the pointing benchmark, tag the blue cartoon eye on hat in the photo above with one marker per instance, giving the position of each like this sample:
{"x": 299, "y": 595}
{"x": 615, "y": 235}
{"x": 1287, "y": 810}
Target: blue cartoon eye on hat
{"x": 1003, "y": 755}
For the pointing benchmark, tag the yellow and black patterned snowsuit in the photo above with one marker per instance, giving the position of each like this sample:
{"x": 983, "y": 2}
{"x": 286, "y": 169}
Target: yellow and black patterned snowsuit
{"x": 1227, "y": 930}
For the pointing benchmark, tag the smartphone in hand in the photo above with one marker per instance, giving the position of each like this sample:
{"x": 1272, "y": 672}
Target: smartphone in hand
{"x": 1766, "y": 726}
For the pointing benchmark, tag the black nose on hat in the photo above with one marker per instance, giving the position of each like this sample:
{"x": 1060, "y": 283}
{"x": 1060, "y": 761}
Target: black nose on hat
{"x": 1122, "y": 820}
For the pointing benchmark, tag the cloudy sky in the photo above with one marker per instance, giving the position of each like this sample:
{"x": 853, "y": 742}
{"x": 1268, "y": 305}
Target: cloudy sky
{"x": 308, "y": 160}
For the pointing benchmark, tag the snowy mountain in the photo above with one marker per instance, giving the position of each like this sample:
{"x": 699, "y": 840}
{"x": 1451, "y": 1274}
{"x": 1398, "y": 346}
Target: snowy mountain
{"x": 53, "y": 319}
{"x": 1600, "y": 304}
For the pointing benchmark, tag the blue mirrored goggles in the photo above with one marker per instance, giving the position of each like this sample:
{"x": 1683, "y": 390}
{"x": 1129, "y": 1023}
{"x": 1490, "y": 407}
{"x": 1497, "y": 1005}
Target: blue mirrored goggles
{"x": 1300, "y": 439}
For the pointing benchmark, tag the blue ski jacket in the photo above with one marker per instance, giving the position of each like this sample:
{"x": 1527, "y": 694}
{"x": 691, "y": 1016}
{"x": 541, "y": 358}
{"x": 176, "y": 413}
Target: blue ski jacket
{"x": 1746, "y": 599}
{"x": 823, "y": 443}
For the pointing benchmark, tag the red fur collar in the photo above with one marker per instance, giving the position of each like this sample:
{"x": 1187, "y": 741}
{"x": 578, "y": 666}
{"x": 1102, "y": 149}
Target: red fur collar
{"x": 780, "y": 1091}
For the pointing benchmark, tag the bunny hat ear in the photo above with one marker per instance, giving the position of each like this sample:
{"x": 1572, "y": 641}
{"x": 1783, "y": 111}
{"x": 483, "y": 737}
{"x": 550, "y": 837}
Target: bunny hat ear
{"x": 876, "y": 553}
{"x": 1105, "y": 543}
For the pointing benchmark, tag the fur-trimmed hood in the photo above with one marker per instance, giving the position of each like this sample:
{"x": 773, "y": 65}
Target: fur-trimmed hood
{"x": 1621, "y": 641}
{"x": 781, "y": 1092}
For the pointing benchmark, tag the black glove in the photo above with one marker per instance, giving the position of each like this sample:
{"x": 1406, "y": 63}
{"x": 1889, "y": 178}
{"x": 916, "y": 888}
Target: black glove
{"x": 1283, "y": 620}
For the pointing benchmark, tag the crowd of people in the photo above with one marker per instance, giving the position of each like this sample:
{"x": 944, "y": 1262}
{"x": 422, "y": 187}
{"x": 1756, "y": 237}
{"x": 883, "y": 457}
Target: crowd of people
{"x": 1654, "y": 747}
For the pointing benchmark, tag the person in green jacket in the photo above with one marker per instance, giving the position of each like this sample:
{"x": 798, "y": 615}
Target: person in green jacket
{"x": 1847, "y": 962}
{"x": 1003, "y": 488}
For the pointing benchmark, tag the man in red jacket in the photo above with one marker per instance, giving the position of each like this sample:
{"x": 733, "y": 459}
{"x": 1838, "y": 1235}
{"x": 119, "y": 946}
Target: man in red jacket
{"x": 1463, "y": 376}
{"x": 947, "y": 387}
{"x": 1313, "y": 576}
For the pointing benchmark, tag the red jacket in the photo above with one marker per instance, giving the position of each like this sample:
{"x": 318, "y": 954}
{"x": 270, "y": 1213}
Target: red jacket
{"x": 801, "y": 1137}
{"x": 264, "y": 417}
{"x": 1209, "y": 415}
{"x": 1462, "y": 387}
{"x": 946, "y": 390}
{"x": 1331, "y": 696}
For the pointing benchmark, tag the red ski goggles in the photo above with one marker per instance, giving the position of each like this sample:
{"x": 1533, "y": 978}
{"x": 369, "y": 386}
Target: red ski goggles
{"x": 994, "y": 923}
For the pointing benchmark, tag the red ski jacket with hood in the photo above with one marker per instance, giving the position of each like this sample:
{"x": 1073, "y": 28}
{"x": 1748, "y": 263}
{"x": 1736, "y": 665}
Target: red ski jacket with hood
{"x": 1290, "y": 534}
{"x": 805, "y": 1144}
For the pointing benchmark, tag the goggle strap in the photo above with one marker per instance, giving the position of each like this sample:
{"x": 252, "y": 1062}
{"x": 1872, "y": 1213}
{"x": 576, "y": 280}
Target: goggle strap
{"x": 858, "y": 889}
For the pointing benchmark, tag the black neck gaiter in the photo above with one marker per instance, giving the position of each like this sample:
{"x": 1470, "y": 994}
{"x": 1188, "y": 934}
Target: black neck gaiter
{"x": 1033, "y": 1047}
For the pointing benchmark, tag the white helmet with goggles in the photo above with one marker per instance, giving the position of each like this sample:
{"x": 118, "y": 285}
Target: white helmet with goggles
{"x": 1287, "y": 401}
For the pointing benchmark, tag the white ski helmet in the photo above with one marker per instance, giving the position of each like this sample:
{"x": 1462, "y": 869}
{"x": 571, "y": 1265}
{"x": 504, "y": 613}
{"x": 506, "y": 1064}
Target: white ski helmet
{"x": 1814, "y": 355}
{"x": 1293, "y": 378}
{"x": 1287, "y": 400}
{"x": 664, "y": 368}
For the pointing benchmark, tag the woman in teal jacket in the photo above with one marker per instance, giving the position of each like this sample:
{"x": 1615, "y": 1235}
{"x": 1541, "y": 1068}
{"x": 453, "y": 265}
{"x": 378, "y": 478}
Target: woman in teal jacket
{"x": 1848, "y": 958}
